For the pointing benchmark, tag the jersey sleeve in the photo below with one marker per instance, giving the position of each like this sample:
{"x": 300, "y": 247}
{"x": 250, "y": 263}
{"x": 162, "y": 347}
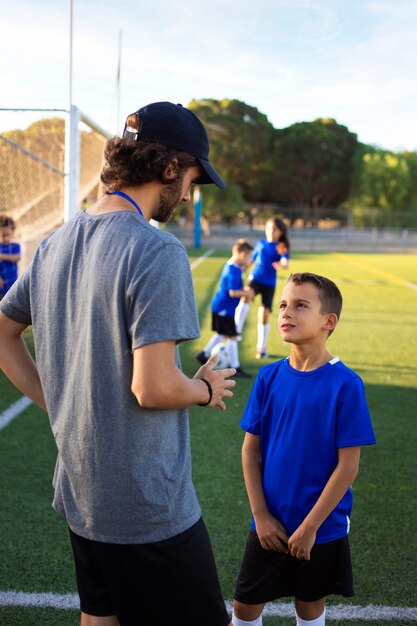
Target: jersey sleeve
{"x": 256, "y": 251}
{"x": 353, "y": 425}
{"x": 161, "y": 301}
{"x": 251, "y": 420}
{"x": 234, "y": 280}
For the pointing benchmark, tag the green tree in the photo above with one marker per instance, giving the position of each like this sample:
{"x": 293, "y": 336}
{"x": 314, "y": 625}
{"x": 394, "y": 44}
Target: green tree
{"x": 242, "y": 140}
{"x": 227, "y": 204}
{"x": 313, "y": 164}
{"x": 410, "y": 201}
{"x": 384, "y": 192}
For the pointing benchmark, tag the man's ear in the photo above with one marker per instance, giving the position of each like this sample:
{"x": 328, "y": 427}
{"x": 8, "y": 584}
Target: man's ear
{"x": 171, "y": 171}
{"x": 331, "y": 321}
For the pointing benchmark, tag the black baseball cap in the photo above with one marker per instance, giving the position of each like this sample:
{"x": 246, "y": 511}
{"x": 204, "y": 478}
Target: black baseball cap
{"x": 174, "y": 126}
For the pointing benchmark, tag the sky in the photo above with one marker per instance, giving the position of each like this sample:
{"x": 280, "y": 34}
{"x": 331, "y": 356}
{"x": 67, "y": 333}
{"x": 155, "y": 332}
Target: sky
{"x": 294, "y": 60}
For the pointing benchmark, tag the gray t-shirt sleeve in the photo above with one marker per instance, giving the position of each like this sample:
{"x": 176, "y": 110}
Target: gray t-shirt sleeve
{"x": 161, "y": 302}
{"x": 16, "y": 304}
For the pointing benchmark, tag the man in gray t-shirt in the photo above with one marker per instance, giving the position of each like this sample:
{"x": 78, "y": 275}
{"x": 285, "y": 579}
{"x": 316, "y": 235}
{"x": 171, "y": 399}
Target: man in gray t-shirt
{"x": 109, "y": 298}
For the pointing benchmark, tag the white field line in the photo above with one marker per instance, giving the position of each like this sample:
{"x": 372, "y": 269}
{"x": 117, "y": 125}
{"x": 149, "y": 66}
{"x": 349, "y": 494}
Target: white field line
{"x": 13, "y": 411}
{"x": 333, "y": 612}
{"x": 375, "y": 270}
{"x": 201, "y": 258}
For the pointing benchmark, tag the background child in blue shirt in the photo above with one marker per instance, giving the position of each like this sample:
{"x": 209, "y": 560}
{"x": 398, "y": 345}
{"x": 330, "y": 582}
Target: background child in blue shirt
{"x": 9, "y": 255}
{"x": 224, "y": 304}
{"x": 305, "y": 422}
{"x": 269, "y": 254}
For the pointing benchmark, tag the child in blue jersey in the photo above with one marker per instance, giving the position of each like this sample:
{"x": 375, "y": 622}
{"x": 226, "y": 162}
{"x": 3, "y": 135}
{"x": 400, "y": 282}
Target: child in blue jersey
{"x": 269, "y": 255}
{"x": 305, "y": 422}
{"x": 224, "y": 304}
{"x": 9, "y": 255}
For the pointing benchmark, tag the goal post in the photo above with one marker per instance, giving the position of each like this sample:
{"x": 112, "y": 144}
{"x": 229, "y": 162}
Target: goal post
{"x": 50, "y": 161}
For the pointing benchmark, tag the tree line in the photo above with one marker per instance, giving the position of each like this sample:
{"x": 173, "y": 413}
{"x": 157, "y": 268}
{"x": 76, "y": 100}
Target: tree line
{"x": 314, "y": 168}
{"x": 309, "y": 170}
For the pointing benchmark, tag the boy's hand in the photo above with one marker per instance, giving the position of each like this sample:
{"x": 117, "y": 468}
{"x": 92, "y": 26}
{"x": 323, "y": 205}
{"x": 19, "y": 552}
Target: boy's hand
{"x": 219, "y": 380}
{"x": 271, "y": 533}
{"x": 1, "y": 283}
{"x": 301, "y": 542}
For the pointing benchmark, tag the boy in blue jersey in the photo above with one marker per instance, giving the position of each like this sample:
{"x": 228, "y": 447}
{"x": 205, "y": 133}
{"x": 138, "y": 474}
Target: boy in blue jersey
{"x": 270, "y": 254}
{"x": 305, "y": 422}
{"x": 224, "y": 304}
{"x": 9, "y": 255}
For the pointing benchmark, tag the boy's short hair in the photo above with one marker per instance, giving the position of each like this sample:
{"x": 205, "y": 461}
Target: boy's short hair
{"x": 242, "y": 245}
{"x": 6, "y": 222}
{"x": 329, "y": 293}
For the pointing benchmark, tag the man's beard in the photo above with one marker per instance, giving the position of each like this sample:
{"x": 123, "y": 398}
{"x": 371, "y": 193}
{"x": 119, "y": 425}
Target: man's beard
{"x": 170, "y": 198}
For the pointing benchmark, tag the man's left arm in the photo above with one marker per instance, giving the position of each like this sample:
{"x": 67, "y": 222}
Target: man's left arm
{"x": 302, "y": 540}
{"x": 17, "y": 362}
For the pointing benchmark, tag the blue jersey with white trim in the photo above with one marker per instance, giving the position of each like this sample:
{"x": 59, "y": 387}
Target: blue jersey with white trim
{"x": 264, "y": 255}
{"x": 230, "y": 279}
{"x": 8, "y": 270}
{"x": 302, "y": 419}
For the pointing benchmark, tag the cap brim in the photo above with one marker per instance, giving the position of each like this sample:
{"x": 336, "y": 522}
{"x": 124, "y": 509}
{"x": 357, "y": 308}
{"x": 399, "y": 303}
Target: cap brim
{"x": 210, "y": 175}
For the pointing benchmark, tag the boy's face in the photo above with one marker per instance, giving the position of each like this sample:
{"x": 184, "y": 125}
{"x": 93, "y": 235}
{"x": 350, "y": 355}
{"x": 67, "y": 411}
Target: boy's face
{"x": 6, "y": 234}
{"x": 245, "y": 260}
{"x": 300, "y": 320}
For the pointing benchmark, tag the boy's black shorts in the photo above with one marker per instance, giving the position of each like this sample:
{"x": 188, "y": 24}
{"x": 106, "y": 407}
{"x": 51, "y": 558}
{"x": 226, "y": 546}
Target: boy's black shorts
{"x": 171, "y": 583}
{"x": 266, "y": 292}
{"x": 223, "y": 325}
{"x": 267, "y": 575}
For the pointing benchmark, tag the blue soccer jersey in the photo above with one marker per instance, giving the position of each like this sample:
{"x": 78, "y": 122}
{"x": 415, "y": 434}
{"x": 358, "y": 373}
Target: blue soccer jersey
{"x": 302, "y": 418}
{"x": 264, "y": 255}
{"x": 8, "y": 270}
{"x": 230, "y": 279}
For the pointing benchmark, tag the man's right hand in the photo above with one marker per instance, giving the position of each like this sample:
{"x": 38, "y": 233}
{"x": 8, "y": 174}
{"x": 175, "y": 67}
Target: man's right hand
{"x": 220, "y": 382}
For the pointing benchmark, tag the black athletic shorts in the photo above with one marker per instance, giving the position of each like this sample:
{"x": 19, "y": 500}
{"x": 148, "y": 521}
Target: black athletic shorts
{"x": 167, "y": 583}
{"x": 266, "y": 292}
{"x": 267, "y": 575}
{"x": 223, "y": 325}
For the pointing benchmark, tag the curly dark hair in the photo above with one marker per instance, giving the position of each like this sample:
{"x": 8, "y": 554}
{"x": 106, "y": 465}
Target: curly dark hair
{"x": 129, "y": 162}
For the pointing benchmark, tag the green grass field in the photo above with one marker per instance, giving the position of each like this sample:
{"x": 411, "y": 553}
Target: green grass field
{"x": 376, "y": 337}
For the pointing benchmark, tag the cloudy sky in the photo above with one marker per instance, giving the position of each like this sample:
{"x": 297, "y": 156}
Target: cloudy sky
{"x": 294, "y": 60}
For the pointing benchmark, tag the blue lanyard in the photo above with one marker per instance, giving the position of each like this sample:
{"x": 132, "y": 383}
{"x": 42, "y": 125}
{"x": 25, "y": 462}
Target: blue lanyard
{"x": 128, "y": 198}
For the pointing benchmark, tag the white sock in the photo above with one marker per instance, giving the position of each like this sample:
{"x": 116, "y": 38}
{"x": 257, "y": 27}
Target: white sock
{"x": 241, "y": 314}
{"x": 319, "y": 621}
{"x": 263, "y": 332}
{"x": 233, "y": 353}
{"x": 214, "y": 341}
{"x": 241, "y": 622}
